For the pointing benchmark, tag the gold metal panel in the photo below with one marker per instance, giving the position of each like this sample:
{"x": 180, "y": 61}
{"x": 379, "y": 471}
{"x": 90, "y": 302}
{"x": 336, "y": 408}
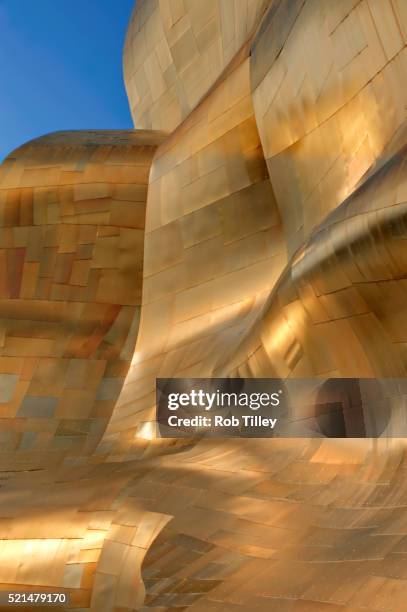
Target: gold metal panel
{"x": 273, "y": 245}
{"x": 175, "y": 52}
{"x": 71, "y": 289}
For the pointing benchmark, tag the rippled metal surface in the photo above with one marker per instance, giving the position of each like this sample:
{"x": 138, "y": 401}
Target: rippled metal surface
{"x": 274, "y": 245}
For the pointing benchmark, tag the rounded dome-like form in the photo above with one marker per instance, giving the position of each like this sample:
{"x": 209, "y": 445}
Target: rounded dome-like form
{"x": 71, "y": 257}
{"x": 175, "y": 51}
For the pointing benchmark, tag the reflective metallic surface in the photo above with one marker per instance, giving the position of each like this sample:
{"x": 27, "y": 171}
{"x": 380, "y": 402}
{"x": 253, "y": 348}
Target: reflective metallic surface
{"x": 176, "y": 51}
{"x": 274, "y": 244}
{"x": 71, "y": 258}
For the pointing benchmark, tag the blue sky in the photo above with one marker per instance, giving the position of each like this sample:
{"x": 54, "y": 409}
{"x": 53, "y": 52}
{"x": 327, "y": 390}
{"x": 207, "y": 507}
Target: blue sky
{"x": 61, "y": 67}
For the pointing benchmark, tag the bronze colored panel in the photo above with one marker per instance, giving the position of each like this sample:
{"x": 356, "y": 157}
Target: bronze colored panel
{"x": 273, "y": 245}
{"x": 71, "y": 289}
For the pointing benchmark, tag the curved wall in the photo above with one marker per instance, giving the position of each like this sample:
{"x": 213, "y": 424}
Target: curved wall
{"x": 326, "y": 90}
{"x": 274, "y": 245}
{"x": 71, "y": 259}
{"x": 175, "y": 51}
{"x": 213, "y": 251}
